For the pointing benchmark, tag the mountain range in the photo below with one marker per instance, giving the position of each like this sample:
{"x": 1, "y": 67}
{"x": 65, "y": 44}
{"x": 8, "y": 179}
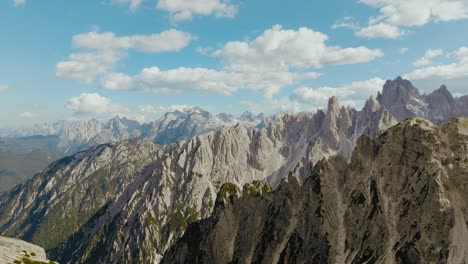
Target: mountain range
{"x": 400, "y": 199}
{"x": 265, "y": 191}
{"x": 29, "y": 150}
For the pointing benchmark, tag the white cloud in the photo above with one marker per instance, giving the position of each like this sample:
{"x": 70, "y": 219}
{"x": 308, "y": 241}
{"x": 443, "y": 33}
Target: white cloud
{"x": 19, "y": 2}
{"x": 347, "y": 22}
{"x": 281, "y": 48}
{"x": 395, "y": 14}
{"x": 275, "y": 59}
{"x": 380, "y": 30}
{"x": 353, "y": 94}
{"x": 133, "y": 4}
{"x": 92, "y": 103}
{"x": 86, "y": 67}
{"x": 269, "y": 106}
{"x": 203, "y": 79}
{"x": 160, "y": 110}
{"x": 3, "y": 88}
{"x": 26, "y": 114}
{"x": 185, "y": 9}
{"x": 107, "y": 50}
{"x": 454, "y": 70}
{"x": 170, "y": 40}
{"x": 428, "y": 56}
{"x": 403, "y": 50}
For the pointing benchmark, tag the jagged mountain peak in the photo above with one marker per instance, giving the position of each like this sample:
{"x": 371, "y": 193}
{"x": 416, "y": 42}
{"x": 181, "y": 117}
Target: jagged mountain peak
{"x": 399, "y": 200}
{"x": 442, "y": 93}
{"x": 333, "y": 105}
{"x": 397, "y": 91}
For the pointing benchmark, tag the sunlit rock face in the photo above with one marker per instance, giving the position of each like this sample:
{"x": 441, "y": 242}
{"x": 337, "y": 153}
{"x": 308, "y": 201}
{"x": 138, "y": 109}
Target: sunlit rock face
{"x": 401, "y": 199}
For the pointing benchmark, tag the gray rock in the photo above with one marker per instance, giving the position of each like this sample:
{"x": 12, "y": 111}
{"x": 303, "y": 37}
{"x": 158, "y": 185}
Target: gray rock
{"x": 401, "y": 199}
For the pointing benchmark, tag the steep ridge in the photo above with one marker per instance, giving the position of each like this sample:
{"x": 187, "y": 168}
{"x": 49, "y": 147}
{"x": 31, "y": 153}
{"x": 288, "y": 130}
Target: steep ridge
{"x": 54, "y": 204}
{"x": 182, "y": 185}
{"x": 165, "y": 192}
{"x": 71, "y": 137}
{"x": 171, "y": 186}
{"x": 401, "y": 199}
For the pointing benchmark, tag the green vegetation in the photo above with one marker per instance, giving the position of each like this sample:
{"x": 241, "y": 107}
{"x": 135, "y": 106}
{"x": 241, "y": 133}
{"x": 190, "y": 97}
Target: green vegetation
{"x": 150, "y": 220}
{"x": 191, "y": 215}
{"x": 217, "y": 184}
{"x": 463, "y": 122}
{"x": 27, "y": 260}
{"x": 74, "y": 210}
{"x": 94, "y": 242}
{"x": 267, "y": 188}
{"x": 228, "y": 190}
{"x": 177, "y": 222}
{"x": 257, "y": 188}
{"x": 253, "y": 188}
{"x": 207, "y": 197}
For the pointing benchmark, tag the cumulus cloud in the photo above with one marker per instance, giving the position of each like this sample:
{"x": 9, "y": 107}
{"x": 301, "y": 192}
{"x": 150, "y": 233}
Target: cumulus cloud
{"x": 203, "y": 79}
{"x": 454, "y": 70}
{"x": 275, "y": 59}
{"x": 86, "y": 67}
{"x": 353, "y": 94}
{"x": 105, "y": 50}
{"x": 160, "y": 110}
{"x": 94, "y": 104}
{"x": 170, "y": 40}
{"x": 283, "y": 48}
{"x": 26, "y": 114}
{"x": 3, "y": 88}
{"x": 395, "y": 14}
{"x": 19, "y": 2}
{"x": 283, "y": 105}
{"x": 380, "y": 30}
{"x": 428, "y": 56}
{"x": 180, "y": 10}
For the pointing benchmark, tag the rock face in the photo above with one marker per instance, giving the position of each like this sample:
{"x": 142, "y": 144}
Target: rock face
{"x": 128, "y": 202}
{"x": 401, "y": 199}
{"x": 403, "y": 100}
{"x": 133, "y": 199}
{"x": 71, "y": 137}
{"x": 12, "y": 250}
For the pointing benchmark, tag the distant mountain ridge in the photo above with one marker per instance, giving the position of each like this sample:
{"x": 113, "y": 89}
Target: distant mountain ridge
{"x": 66, "y": 138}
{"x": 173, "y": 126}
{"x": 129, "y": 201}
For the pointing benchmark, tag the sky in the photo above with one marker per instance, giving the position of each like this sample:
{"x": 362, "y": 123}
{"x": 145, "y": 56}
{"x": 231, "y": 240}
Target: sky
{"x": 70, "y": 60}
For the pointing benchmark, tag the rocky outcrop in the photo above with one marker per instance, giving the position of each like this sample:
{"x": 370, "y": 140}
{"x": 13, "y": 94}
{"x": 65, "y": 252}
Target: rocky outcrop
{"x": 17, "y": 251}
{"x": 401, "y": 199}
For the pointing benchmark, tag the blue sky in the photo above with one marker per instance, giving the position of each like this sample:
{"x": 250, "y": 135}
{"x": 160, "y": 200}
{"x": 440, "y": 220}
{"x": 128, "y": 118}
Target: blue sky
{"x": 140, "y": 58}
